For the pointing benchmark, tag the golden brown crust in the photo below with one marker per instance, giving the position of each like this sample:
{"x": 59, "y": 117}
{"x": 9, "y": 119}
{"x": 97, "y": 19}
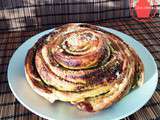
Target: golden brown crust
{"x": 84, "y": 65}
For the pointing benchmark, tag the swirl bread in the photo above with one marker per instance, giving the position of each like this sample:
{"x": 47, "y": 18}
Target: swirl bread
{"x": 84, "y": 65}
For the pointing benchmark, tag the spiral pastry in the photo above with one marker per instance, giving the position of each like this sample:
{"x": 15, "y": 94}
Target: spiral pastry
{"x": 84, "y": 65}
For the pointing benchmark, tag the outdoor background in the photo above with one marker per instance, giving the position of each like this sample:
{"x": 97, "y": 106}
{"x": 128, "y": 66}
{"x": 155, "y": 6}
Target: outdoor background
{"x": 43, "y": 14}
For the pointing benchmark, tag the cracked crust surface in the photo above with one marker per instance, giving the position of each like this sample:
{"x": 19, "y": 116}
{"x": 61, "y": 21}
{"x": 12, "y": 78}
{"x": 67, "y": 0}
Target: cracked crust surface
{"x": 70, "y": 76}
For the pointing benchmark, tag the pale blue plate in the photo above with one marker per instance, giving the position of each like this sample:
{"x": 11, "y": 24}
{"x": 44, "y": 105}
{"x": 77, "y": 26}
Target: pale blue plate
{"x": 63, "y": 111}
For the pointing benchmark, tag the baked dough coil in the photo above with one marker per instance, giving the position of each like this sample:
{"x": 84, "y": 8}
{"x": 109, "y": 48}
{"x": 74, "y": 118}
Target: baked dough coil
{"x": 84, "y": 65}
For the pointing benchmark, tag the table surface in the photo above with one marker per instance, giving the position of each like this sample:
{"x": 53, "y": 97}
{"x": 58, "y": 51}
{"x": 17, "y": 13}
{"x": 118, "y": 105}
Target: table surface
{"x": 148, "y": 33}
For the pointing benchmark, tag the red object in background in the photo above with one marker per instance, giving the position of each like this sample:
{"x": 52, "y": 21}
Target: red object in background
{"x": 143, "y": 9}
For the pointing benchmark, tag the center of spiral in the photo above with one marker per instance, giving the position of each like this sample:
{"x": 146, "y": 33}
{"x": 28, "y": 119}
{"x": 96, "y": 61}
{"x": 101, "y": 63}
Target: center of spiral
{"x": 82, "y": 49}
{"x": 79, "y": 42}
